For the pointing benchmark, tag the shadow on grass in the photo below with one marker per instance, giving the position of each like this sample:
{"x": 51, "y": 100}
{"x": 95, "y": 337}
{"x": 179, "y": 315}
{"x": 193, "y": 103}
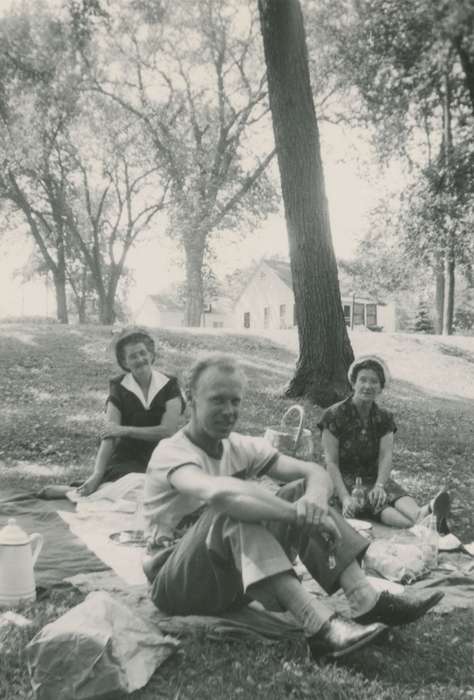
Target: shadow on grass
{"x": 405, "y": 664}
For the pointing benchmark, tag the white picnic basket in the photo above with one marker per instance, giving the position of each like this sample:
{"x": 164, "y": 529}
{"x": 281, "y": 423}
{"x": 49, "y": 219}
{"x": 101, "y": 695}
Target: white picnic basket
{"x": 295, "y": 441}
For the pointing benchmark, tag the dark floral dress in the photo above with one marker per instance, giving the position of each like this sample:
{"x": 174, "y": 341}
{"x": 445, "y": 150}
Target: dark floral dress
{"x": 359, "y": 444}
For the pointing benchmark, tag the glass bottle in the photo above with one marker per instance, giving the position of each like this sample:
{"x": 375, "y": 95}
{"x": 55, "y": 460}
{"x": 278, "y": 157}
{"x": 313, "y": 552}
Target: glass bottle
{"x": 358, "y": 494}
{"x": 431, "y": 543}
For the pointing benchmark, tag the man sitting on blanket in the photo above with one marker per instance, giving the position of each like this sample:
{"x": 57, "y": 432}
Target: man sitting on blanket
{"x": 245, "y": 538}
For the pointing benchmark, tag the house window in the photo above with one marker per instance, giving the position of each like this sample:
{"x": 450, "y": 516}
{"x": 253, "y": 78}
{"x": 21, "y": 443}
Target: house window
{"x": 359, "y": 315}
{"x": 247, "y": 319}
{"x": 266, "y": 317}
{"x": 282, "y": 315}
{"x": 347, "y": 314}
{"x": 371, "y": 315}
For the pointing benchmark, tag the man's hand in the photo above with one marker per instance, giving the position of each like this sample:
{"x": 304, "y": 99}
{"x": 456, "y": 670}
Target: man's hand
{"x": 349, "y": 507}
{"x": 377, "y": 497}
{"x": 90, "y": 485}
{"x": 331, "y": 531}
{"x": 311, "y": 509}
{"x": 111, "y": 430}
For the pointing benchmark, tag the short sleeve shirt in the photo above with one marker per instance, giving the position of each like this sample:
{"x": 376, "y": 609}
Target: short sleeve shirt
{"x": 243, "y": 457}
{"x": 359, "y": 444}
{"x": 126, "y": 395}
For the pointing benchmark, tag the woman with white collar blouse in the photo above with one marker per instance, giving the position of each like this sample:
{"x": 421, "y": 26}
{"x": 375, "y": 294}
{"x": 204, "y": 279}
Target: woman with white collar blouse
{"x": 143, "y": 406}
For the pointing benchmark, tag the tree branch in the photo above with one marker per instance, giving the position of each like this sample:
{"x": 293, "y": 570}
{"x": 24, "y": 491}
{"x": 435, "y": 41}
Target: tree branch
{"x": 249, "y": 181}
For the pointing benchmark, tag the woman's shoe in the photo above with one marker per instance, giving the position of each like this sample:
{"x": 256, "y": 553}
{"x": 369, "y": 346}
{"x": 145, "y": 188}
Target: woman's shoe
{"x": 440, "y": 506}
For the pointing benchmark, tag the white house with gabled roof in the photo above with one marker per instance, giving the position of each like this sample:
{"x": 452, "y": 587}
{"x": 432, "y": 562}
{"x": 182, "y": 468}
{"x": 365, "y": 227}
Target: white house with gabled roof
{"x": 268, "y": 302}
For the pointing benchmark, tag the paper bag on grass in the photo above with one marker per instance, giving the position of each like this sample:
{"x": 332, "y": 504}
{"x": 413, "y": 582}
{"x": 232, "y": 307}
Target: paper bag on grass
{"x": 95, "y": 650}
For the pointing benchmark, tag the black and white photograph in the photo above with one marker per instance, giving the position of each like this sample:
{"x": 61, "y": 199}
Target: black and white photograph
{"x": 236, "y": 349}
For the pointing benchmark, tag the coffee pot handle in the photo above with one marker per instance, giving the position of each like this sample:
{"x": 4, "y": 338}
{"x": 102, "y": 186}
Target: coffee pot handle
{"x": 36, "y": 541}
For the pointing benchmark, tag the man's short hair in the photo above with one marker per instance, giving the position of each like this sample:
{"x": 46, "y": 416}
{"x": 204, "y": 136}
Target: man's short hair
{"x": 222, "y": 361}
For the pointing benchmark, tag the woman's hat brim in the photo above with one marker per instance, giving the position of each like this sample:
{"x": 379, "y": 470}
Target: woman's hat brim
{"x": 373, "y": 358}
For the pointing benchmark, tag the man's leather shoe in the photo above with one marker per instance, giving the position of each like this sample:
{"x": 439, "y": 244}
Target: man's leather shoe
{"x": 395, "y": 610}
{"x": 340, "y": 636}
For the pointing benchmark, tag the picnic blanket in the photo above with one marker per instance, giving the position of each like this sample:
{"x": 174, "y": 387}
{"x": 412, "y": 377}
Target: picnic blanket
{"x": 108, "y": 509}
{"x": 78, "y": 548}
{"x": 63, "y": 553}
{"x": 113, "y": 508}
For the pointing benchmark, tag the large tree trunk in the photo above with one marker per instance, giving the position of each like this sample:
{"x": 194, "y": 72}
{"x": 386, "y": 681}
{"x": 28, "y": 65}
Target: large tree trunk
{"x": 449, "y": 262}
{"x": 325, "y": 349}
{"x": 194, "y": 287}
{"x": 448, "y": 315}
{"x": 81, "y": 311}
{"x": 59, "y": 278}
{"x": 439, "y": 297}
{"x": 107, "y": 314}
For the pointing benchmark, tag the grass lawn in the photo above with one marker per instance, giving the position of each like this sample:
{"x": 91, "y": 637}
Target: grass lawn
{"x": 53, "y": 385}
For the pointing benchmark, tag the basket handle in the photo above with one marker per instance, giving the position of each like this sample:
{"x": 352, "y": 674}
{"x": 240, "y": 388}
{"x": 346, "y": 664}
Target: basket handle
{"x": 299, "y": 409}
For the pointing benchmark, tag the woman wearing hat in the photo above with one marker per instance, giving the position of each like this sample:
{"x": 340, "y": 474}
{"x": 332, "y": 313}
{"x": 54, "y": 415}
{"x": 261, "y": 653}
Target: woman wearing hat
{"x": 143, "y": 406}
{"x": 357, "y": 437}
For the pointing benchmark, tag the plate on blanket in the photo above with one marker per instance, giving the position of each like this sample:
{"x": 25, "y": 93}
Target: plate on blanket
{"x": 132, "y": 538}
{"x": 359, "y": 524}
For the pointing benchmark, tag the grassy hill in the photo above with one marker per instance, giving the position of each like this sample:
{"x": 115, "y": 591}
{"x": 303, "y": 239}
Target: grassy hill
{"x": 54, "y": 380}
{"x": 53, "y": 383}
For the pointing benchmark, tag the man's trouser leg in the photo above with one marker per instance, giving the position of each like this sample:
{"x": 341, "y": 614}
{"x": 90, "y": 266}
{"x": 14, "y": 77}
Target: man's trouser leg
{"x": 312, "y": 548}
{"x": 219, "y": 558}
{"x": 213, "y": 565}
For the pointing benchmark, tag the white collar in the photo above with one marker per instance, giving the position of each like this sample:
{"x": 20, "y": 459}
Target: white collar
{"x": 158, "y": 381}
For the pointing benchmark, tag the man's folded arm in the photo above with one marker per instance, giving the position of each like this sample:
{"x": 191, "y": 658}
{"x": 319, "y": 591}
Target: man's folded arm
{"x": 288, "y": 469}
{"x": 241, "y": 500}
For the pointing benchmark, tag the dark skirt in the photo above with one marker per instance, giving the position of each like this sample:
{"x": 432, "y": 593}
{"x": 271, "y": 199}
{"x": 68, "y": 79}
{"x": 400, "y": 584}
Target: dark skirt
{"x": 393, "y": 490}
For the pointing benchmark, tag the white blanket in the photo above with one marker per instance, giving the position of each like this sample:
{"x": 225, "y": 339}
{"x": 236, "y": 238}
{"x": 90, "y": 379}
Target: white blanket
{"x": 114, "y": 507}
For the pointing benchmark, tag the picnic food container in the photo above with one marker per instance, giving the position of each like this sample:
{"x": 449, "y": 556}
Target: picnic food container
{"x": 294, "y": 441}
{"x": 18, "y": 555}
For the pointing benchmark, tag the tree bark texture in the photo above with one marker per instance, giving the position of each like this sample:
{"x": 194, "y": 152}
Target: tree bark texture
{"x": 59, "y": 279}
{"x": 450, "y": 258}
{"x": 81, "y": 311}
{"x": 448, "y": 312}
{"x": 194, "y": 251}
{"x": 107, "y": 313}
{"x": 325, "y": 349}
{"x": 439, "y": 297}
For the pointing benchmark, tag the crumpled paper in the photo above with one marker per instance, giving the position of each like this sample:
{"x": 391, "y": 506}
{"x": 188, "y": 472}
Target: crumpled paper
{"x": 95, "y": 650}
{"x": 396, "y": 561}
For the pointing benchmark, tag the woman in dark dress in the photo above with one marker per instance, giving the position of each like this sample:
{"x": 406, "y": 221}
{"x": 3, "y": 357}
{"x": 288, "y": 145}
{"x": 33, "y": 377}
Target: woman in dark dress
{"x": 357, "y": 437}
{"x": 143, "y": 406}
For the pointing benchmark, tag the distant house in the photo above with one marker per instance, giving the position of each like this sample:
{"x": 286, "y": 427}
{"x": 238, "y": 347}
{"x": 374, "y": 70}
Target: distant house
{"x": 268, "y": 302}
{"x": 218, "y": 314}
{"x": 161, "y": 310}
